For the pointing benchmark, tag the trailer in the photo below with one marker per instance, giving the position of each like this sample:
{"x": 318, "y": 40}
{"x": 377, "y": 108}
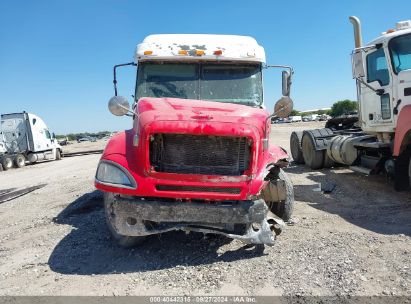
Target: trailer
{"x": 25, "y": 138}
{"x": 378, "y": 139}
{"x": 296, "y": 118}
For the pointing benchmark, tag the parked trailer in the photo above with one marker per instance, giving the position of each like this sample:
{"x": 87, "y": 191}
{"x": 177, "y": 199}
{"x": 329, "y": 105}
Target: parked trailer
{"x": 296, "y": 118}
{"x": 379, "y": 138}
{"x": 24, "y": 137}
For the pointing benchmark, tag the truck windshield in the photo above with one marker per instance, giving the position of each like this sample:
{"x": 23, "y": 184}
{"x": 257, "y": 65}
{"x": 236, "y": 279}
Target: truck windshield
{"x": 206, "y": 81}
{"x": 400, "y": 50}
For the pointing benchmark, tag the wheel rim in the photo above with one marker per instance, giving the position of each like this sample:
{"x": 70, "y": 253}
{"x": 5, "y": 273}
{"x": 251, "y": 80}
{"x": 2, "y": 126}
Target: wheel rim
{"x": 20, "y": 161}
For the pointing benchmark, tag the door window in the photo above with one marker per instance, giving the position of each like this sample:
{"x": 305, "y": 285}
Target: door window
{"x": 385, "y": 106}
{"x": 47, "y": 133}
{"x": 377, "y": 69}
{"x": 400, "y": 49}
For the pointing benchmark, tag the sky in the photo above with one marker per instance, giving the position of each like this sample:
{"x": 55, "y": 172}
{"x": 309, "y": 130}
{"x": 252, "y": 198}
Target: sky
{"x": 56, "y": 57}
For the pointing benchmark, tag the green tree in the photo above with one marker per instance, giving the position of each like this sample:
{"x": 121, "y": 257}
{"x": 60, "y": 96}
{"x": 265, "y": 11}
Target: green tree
{"x": 343, "y": 107}
{"x": 295, "y": 113}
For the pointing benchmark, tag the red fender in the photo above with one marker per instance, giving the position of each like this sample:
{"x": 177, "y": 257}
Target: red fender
{"x": 402, "y": 129}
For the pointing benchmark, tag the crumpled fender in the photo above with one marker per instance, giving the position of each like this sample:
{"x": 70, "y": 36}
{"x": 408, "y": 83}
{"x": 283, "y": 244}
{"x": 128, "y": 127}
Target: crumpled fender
{"x": 402, "y": 129}
{"x": 274, "y": 156}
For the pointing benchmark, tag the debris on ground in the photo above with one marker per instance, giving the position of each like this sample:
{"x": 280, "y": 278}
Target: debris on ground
{"x": 10, "y": 194}
{"x": 328, "y": 187}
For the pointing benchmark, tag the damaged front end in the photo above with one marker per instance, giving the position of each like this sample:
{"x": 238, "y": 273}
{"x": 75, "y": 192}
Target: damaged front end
{"x": 249, "y": 221}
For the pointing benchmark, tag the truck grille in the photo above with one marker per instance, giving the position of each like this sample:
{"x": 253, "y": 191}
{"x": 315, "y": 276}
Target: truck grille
{"x": 199, "y": 154}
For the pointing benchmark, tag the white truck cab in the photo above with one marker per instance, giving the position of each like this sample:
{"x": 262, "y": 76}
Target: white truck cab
{"x": 379, "y": 140}
{"x": 384, "y": 66}
{"x": 26, "y": 137}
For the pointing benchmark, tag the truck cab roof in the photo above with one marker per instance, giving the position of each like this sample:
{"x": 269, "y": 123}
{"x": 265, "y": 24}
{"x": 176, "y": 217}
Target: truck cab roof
{"x": 402, "y": 28}
{"x": 198, "y": 47}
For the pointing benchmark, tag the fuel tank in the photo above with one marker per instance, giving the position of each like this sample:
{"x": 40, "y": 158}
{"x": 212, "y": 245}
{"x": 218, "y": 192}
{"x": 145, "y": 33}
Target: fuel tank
{"x": 342, "y": 148}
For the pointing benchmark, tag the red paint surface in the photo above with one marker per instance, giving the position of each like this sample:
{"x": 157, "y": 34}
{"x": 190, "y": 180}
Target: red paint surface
{"x": 403, "y": 127}
{"x": 169, "y": 115}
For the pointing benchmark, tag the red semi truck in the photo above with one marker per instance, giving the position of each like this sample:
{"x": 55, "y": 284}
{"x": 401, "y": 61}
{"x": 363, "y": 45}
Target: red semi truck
{"x": 199, "y": 156}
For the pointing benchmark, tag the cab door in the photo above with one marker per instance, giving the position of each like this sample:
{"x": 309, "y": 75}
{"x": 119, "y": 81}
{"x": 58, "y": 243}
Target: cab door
{"x": 400, "y": 51}
{"x": 376, "y": 110}
{"x": 40, "y": 134}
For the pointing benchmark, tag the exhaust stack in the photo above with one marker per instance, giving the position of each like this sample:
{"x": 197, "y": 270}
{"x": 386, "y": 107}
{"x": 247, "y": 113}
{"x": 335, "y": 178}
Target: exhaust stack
{"x": 357, "y": 31}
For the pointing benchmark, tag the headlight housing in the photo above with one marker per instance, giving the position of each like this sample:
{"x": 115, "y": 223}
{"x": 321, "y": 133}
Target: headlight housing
{"x": 112, "y": 174}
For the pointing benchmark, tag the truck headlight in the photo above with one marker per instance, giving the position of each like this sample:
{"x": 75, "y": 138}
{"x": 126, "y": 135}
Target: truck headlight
{"x": 112, "y": 174}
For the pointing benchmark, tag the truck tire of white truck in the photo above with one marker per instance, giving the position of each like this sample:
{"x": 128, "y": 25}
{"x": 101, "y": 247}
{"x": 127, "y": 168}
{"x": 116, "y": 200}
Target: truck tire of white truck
{"x": 6, "y": 162}
{"x": 312, "y": 158}
{"x": 314, "y": 146}
{"x": 295, "y": 147}
{"x": 58, "y": 154}
{"x": 20, "y": 160}
{"x": 402, "y": 178}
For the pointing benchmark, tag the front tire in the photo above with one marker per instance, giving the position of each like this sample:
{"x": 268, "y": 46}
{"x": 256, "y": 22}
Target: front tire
{"x": 121, "y": 240}
{"x": 284, "y": 209}
{"x": 58, "y": 154}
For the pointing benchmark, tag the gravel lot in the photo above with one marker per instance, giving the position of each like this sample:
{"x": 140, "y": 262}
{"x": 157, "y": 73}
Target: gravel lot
{"x": 355, "y": 240}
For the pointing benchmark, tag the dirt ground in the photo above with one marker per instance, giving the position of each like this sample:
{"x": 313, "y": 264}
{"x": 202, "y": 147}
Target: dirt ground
{"x": 355, "y": 240}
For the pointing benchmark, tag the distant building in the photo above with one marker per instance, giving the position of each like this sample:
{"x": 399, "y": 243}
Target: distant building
{"x": 314, "y": 110}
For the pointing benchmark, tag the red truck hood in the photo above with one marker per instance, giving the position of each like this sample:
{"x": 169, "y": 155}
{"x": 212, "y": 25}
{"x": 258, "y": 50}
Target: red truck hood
{"x": 175, "y": 109}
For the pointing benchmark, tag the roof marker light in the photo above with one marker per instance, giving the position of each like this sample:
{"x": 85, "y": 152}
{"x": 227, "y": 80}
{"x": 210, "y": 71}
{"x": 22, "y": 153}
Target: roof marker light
{"x": 218, "y": 52}
{"x": 390, "y": 31}
{"x": 402, "y": 25}
{"x": 148, "y": 52}
{"x": 182, "y": 52}
{"x": 200, "y": 52}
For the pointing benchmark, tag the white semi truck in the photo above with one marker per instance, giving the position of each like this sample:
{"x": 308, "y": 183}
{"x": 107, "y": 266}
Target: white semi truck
{"x": 379, "y": 140}
{"x": 24, "y": 137}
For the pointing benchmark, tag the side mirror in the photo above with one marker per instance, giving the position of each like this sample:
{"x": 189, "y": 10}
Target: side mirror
{"x": 118, "y": 106}
{"x": 358, "y": 65}
{"x": 286, "y": 81}
{"x": 283, "y": 107}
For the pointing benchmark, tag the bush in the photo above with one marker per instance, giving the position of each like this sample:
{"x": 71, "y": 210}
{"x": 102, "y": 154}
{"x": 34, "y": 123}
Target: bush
{"x": 74, "y": 136}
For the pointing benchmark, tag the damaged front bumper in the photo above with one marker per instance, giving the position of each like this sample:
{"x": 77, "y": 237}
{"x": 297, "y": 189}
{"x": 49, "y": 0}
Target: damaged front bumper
{"x": 247, "y": 221}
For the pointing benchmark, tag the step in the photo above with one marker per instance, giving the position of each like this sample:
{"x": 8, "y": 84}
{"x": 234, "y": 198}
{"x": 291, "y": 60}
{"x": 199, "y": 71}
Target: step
{"x": 362, "y": 170}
